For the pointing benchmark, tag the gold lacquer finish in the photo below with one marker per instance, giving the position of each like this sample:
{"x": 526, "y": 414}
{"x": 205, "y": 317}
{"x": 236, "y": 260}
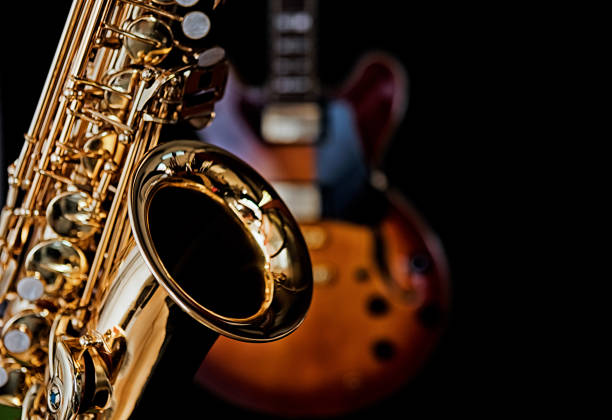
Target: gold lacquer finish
{"x": 14, "y": 382}
{"x": 276, "y": 270}
{"x": 56, "y": 261}
{"x": 149, "y": 40}
{"x": 70, "y": 216}
{"x": 123, "y": 255}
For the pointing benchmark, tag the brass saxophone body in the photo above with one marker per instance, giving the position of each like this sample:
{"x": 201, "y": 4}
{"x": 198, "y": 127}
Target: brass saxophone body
{"x": 118, "y": 246}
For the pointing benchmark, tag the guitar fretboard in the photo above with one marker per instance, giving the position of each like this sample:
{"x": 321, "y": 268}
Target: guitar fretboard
{"x": 292, "y": 73}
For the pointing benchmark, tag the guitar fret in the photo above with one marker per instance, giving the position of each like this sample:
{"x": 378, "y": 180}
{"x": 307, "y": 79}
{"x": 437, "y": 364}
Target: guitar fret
{"x": 292, "y": 60}
{"x": 292, "y": 46}
{"x": 292, "y": 85}
{"x": 300, "y": 22}
{"x": 284, "y": 66}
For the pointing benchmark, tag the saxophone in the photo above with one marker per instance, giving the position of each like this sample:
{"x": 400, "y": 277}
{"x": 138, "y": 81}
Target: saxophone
{"x": 120, "y": 250}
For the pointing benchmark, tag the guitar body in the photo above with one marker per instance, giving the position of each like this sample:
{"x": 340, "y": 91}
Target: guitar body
{"x": 381, "y": 282}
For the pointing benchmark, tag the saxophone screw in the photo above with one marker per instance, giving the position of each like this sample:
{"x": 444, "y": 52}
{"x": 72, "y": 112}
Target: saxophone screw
{"x": 123, "y": 138}
{"x": 147, "y": 75}
{"x": 54, "y": 398}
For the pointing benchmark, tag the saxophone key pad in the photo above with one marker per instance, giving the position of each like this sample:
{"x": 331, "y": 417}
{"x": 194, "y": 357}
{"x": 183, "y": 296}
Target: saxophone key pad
{"x": 211, "y": 57}
{"x": 150, "y": 42}
{"x": 195, "y": 25}
{"x": 70, "y": 216}
{"x": 3, "y": 377}
{"x": 55, "y": 260}
{"x": 30, "y": 288}
{"x": 187, "y": 3}
{"x": 16, "y": 341}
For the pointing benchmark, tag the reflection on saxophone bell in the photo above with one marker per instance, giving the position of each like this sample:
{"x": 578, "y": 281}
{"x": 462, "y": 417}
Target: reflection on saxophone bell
{"x": 117, "y": 246}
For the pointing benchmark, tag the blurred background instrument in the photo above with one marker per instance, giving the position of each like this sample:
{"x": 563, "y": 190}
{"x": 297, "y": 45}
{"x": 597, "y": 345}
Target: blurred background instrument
{"x": 381, "y": 280}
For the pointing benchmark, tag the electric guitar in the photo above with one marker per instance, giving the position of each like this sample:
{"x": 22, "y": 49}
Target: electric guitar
{"x": 381, "y": 281}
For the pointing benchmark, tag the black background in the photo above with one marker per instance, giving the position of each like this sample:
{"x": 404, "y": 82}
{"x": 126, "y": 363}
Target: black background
{"x": 459, "y": 156}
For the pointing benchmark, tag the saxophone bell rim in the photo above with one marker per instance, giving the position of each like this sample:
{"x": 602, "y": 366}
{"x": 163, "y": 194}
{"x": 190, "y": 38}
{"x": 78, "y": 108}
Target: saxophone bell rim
{"x": 159, "y": 169}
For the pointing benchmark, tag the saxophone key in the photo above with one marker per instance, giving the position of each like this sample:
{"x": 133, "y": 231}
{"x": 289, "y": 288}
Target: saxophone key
{"x": 70, "y": 216}
{"x": 195, "y": 25}
{"x": 59, "y": 263}
{"x": 148, "y": 40}
{"x": 121, "y": 84}
{"x": 30, "y": 288}
{"x": 14, "y": 382}
{"x": 99, "y": 148}
{"x": 187, "y": 3}
{"x": 25, "y": 337}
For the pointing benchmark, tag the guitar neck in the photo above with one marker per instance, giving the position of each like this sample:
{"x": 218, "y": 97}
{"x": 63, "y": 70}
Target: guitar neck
{"x": 292, "y": 52}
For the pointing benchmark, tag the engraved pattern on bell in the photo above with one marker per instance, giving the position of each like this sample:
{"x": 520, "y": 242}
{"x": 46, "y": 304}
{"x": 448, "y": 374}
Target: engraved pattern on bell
{"x": 70, "y": 216}
{"x": 55, "y": 260}
{"x": 154, "y": 40}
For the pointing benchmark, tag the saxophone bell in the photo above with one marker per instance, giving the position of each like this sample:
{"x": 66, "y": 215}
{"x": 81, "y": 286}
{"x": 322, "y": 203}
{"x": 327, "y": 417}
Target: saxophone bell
{"x": 257, "y": 285}
{"x": 232, "y": 260}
